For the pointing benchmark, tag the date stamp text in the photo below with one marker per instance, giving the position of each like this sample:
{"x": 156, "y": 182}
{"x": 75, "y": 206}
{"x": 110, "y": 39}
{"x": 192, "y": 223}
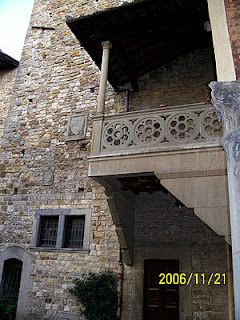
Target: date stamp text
{"x": 196, "y": 278}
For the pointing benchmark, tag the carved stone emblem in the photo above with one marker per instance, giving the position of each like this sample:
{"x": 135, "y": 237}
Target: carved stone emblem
{"x": 48, "y": 176}
{"x": 77, "y": 127}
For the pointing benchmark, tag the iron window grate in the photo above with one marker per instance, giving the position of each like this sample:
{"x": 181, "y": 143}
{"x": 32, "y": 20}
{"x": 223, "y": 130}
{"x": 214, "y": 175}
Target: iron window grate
{"x": 74, "y": 232}
{"x": 48, "y": 233}
{"x": 11, "y": 278}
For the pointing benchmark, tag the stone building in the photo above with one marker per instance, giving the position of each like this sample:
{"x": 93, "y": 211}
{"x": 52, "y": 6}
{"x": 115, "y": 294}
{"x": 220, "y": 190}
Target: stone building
{"x": 129, "y": 172}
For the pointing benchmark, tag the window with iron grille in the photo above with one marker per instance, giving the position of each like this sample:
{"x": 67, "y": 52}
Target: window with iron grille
{"x": 10, "y": 286}
{"x": 74, "y": 231}
{"x": 48, "y": 232}
{"x": 11, "y": 279}
{"x": 66, "y": 229}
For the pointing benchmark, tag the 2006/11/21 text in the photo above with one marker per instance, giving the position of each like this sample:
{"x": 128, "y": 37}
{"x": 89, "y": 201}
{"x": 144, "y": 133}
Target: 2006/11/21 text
{"x": 197, "y": 278}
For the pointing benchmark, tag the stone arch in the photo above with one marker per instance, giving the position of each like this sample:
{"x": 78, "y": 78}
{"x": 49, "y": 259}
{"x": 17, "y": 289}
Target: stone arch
{"x": 19, "y": 253}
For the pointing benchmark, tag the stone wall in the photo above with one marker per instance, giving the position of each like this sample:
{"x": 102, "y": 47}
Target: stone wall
{"x": 7, "y": 79}
{"x": 182, "y": 81}
{"x": 54, "y": 80}
{"x": 233, "y": 20}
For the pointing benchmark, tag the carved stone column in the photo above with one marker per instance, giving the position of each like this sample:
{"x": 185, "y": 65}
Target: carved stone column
{"x": 106, "y": 45}
{"x": 226, "y": 101}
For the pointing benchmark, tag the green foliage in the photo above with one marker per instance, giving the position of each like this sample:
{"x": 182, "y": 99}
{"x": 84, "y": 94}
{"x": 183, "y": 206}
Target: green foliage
{"x": 7, "y": 309}
{"x": 98, "y": 295}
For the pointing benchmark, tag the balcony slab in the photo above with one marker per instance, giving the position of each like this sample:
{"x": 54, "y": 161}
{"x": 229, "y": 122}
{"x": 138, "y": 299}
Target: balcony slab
{"x": 188, "y": 162}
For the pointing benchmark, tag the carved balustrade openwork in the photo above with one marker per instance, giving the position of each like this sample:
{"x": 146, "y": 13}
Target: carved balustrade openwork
{"x": 155, "y": 128}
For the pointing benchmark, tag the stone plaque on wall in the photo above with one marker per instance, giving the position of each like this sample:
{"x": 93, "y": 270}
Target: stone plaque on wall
{"x": 77, "y": 127}
{"x": 48, "y": 176}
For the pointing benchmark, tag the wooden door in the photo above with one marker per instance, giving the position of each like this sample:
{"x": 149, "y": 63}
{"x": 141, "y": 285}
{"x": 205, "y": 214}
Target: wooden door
{"x": 161, "y": 302}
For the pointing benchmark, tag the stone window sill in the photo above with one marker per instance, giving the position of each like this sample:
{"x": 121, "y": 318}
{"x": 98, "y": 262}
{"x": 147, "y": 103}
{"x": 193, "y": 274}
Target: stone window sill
{"x": 59, "y": 249}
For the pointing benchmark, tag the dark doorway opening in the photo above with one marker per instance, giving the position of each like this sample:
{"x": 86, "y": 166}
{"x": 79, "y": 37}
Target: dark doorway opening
{"x": 9, "y": 289}
{"x": 161, "y": 301}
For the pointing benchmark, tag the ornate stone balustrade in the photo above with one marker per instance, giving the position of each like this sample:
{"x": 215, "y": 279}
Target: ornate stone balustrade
{"x": 156, "y": 128}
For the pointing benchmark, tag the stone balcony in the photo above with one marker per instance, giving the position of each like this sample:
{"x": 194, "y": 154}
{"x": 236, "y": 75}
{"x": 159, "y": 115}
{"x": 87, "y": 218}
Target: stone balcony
{"x": 161, "y": 128}
{"x": 163, "y": 137}
{"x": 181, "y": 146}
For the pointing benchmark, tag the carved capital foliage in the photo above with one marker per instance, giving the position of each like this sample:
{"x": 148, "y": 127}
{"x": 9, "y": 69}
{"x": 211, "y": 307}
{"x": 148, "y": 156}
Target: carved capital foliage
{"x": 106, "y": 45}
{"x": 226, "y": 101}
{"x": 231, "y": 144}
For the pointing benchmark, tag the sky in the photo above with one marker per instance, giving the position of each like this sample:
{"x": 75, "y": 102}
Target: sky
{"x": 14, "y": 21}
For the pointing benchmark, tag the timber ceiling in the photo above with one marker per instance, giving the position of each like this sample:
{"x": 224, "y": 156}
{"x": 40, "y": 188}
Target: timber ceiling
{"x": 139, "y": 184}
{"x": 144, "y": 35}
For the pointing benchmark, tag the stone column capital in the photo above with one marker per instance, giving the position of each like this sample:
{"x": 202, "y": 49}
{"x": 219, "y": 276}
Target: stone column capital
{"x": 226, "y": 101}
{"x": 106, "y": 45}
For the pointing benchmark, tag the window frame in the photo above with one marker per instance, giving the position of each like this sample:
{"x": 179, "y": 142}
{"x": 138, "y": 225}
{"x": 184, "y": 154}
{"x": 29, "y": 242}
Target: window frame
{"x": 62, "y": 214}
{"x": 68, "y": 236}
{"x": 7, "y": 266}
{"x": 42, "y": 226}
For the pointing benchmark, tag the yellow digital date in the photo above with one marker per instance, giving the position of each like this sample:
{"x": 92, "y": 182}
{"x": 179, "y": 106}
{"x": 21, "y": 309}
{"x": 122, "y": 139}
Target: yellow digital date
{"x": 197, "y": 278}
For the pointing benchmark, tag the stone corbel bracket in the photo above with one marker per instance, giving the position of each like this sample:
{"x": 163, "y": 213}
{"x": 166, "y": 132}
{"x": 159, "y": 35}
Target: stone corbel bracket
{"x": 121, "y": 209}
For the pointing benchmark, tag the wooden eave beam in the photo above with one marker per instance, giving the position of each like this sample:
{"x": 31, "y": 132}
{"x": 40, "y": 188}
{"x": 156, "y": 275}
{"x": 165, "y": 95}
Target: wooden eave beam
{"x": 148, "y": 24}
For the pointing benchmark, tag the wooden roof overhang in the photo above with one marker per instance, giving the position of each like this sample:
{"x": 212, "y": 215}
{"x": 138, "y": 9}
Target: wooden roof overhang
{"x": 7, "y": 62}
{"x": 144, "y": 35}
